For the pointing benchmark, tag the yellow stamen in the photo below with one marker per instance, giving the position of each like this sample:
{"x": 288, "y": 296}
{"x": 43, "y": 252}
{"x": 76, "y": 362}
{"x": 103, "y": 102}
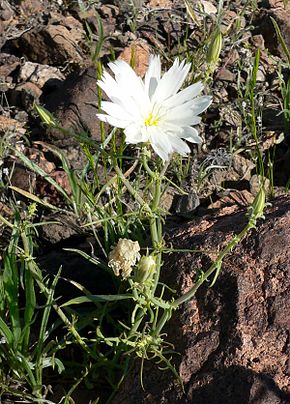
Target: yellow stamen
{"x": 151, "y": 120}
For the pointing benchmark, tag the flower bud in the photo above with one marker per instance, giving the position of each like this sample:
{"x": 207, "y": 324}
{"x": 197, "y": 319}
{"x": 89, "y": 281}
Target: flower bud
{"x": 45, "y": 116}
{"x": 214, "y": 49}
{"x": 259, "y": 203}
{"x": 145, "y": 269}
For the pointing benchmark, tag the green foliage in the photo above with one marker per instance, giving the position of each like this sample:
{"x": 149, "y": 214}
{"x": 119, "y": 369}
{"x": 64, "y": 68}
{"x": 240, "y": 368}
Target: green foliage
{"x": 23, "y": 354}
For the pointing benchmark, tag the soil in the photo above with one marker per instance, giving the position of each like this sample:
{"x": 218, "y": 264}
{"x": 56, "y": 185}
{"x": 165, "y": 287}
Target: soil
{"x": 232, "y": 338}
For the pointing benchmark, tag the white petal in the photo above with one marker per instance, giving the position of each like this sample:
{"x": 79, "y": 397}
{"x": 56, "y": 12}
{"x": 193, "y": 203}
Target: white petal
{"x": 171, "y": 81}
{"x": 113, "y": 121}
{"x": 185, "y": 95}
{"x": 182, "y": 109}
{"x": 127, "y": 79}
{"x": 170, "y": 127}
{"x": 158, "y": 150}
{"x": 152, "y": 75}
{"x": 133, "y": 134}
{"x": 145, "y": 134}
{"x": 191, "y": 135}
{"x": 108, "y": 85}
{"x": 130, "y": 106}
{"x": 187, "y": 118}
{"x": 179, "y": 145}
{"x": 160, "y": 139}
{"x": 115, "y": 110}
{"x": 201, "y": 104}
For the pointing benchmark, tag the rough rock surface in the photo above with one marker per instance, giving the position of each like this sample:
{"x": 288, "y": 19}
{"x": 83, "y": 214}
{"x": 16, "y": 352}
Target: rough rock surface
{"x": 77, "y": 111}
{"x": 52, "y": 44}
{"x": 277, "y": 11}
{"x": 232, "y": 337}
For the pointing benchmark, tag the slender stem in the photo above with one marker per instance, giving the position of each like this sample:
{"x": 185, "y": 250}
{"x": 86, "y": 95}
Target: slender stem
{"x": 139, "y": 318}
{"x": 155, "y": 221}
{"x": 29, "y": 293}
{"x": 132, "y": 191}
{"x": 163, "y": 320}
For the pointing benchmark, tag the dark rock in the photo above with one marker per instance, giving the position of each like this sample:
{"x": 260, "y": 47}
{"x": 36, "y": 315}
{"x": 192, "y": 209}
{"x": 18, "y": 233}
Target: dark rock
{"x": 23, "y": 178}
{"x": 232, "y": 337}
{"x": 62, "y": 229}
{"x": 273, "y": 119}
{"x": 75, "y": 106}
{"x": 186, "y": 204}
{"x": 52, "y": 44}
{"x": 76, "y": 268}
{"x": 265, "y": 27}
{"x": 24, "y": 95}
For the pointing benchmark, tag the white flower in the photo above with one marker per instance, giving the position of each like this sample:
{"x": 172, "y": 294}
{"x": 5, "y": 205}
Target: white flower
{"x": 154, "y": 110}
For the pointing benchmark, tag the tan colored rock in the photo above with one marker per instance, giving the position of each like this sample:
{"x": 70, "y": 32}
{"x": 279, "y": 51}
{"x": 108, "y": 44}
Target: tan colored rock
{"x": 6, "y": 16}
{"x": 39, "y": 74}
{"x": 226, "y": 75}
{"x": 208, "y": 7}
{"x": 11, "y": 125}
{"x": 137, "y": 54}
{"x": 160, "y": 3}
{"x": 258, "y": 41}
{"x": 233, "y": 56}
{"x": 8, "y": 64}
{"x": 232, "y": 201}
{"x": 38, "y": 157}
{"x": 30, "y": 7}
{"x": 6, "y": 12}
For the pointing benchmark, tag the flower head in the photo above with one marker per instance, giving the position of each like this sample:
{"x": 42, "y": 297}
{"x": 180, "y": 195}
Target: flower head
{"x": 123, "y": 257}
{"x": 154, "y": 110}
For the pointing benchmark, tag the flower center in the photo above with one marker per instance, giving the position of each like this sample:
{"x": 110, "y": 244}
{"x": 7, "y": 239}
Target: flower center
{"x": 151, "y": 120}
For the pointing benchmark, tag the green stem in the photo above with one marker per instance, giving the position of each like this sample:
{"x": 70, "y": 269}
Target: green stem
{"x": 163, "y": 320}
{"x": 139, "y": 318}
{"x": 132, "y": 191}
{"x": 30, "y": 303}
{"x": 155, "y": 220}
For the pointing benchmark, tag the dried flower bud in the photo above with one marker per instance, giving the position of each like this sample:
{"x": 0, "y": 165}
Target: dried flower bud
{"x": 146, "y": 268}
{"x": 123, "y": 257}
